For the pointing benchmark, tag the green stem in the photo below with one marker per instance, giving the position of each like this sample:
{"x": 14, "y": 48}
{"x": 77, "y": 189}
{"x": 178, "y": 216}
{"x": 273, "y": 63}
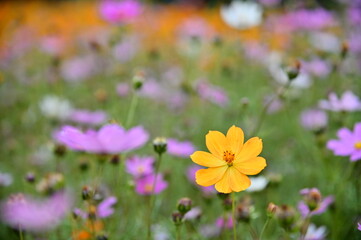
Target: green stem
{"x": 265, "y": 108}
{"x": 234, "y": 217}
{"x": 21, "y": 233}
{"x": 264, "y": 227}
{"x": 152, "y": 197}
{"x": 133, "y": 106}
{"x": 178, "y": 232}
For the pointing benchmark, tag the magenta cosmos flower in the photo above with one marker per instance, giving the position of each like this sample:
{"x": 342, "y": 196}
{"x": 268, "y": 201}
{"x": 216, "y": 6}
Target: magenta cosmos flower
{"x": 178, "y": 148}
{"x": 86, "y": 117}
{"x": 119, "y": 12}
{"x": 110, "y": 139}
{"x": 348, "y": 144}
{"x": 313, "y": 204}
{"x": 139, "y": 166}
{"x": 314, "y": 119}
{"x": 150, "y": 184}
{"x": 23, "y": 212}
{"x": 349, "y": 102}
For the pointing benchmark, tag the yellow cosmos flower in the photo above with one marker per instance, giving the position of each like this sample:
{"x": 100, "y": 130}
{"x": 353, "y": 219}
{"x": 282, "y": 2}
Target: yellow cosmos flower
{"x": 229, "y": 160}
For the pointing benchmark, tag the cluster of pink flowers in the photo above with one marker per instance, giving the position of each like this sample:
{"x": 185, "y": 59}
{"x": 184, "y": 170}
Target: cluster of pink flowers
{"x": 147, "y": 182}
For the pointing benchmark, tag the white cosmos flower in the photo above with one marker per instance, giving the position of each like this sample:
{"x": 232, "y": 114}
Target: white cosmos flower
{"x": 242, "y": 15}
{"x": 314, "y": 233}
{"x": 56, "y": 108}
{"x": 302, "y": 81}
{"x": 257, "y": 184}
{"x": 325, "y": 42}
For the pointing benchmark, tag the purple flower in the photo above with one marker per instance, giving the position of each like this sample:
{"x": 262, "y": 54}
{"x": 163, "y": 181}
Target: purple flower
{"x": 110, "y": 139}
{"x": 5, "y": 179}
{"x": 150, "y": 185}
{"x": 123, "y": 89}
{"x": 212, "y": 93}
{"x": 195, "y": 27}
{"x": 119, "y": 12}
{"x": 314, "y": 119}
{"x": 87, "y": 117}
{"x": 105, "y": 209}
{"x": 314, "y": 233}
{"x": 79, "y": 68}
{"x": 33, "y": 215}
{"x": 349, "y": 102}
{"x": 359, "y": 226}
{"x": 224, "y": 223}
{"x": 313, "y": 204}
{"x": 125, "y": 50}
{"x": 194, "y": 213}
{"x": 52, "y": 45}
{"x": 139, "y": 166}
{"x": 348, "y": 144}
{"x": 179, "y": 149}
{"x": 317, "y": 67}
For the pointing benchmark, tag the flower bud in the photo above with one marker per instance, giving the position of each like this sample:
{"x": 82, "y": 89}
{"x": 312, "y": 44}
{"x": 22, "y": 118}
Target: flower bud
{"x": 293, "y": 71}
{"x": 227, "y": 204}
{"x": 115, "y": 160}
{"x": 87, "y": 193}
{"x": 83, "y": 165}
{"x": 312, "y": 198}
{"x": 101, "y": 95}
{"x": 177, "y": 218}
{"x": 160, "y": 145}
{"x": 286, "y": 216}
{"x": 30, "y": 177}
{"x": 184, "y": 205}
{"x": 138, "y": 81}
{"x": 59, "y": 150}
{"x": 92, "y": 214}
{"x": 344, "y": 50}
{"x": 271, "y": 209}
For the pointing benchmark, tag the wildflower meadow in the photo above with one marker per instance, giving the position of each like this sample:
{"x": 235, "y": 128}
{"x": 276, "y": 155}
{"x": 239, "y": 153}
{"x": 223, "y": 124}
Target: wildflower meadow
{"x": 185, "y": 120}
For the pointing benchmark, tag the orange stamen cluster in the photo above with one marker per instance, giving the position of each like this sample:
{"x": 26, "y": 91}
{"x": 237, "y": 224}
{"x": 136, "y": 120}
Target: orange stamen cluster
{"x": 358, "y": 145}
{"x": 228, "y": 156}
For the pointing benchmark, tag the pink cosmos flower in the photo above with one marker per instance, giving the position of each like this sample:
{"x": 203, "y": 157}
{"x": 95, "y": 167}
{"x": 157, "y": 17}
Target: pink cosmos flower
{"x": 119, "y": 12}
{"x": 178, "y": 148}
{"x": 359, "y": 226}
{"x": 223, "y": 223}
{"x": 105, "y": 208}
{"x": 126, "y": 50}
{"x": 314, "y": 119}
{"x": 110, "y": 139}
{"x": 349, "y": 102}
{"x": 139, "y": 166}
{"x": 53, "y": 45}
{"x": 348, "y": 144}
{"x": 195, "y": 27}
{"x": 212, "y": 93}
{"x": 146, "y": 186}
{"x": 87, "y": 117}
{"x": 317, "y": 67}
{"x": 320, "y": 205}
{"x": 79, "y": 69}
{"x": 32, "y": 215}
{"x": 123, "y": 89}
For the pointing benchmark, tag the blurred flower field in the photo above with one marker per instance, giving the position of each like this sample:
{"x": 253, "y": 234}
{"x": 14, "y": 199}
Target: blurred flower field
{"x": 187, "y": 120}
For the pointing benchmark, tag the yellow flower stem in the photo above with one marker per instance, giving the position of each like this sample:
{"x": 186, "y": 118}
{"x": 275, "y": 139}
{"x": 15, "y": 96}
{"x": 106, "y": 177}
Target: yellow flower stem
{"x": 265, "y": 108}
{"x": 234, "y": 216}
{"x": 133, "y": 106}
{"x": 264, "y": 227}
{"x": 152, "y": 197}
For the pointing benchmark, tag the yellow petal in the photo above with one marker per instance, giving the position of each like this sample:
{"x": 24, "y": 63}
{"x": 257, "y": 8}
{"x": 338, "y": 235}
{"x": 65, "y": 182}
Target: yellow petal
{"x": 223, "y": 185}
{"x": 216, "y": 143}
{"x": 209, "y": 176}
{"x": 251, "y": 166}
{"x": 238, "y": 181}
{"x": 251, "y": 149}
{"x": 235, "y": 138}
{"x": 206, "y": 159}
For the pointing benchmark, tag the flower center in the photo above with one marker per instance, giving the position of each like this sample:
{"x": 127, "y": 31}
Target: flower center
{"x": 358, "y": 145}
{"x": 148, "y": 187}
{"x": 228, "y": 156}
